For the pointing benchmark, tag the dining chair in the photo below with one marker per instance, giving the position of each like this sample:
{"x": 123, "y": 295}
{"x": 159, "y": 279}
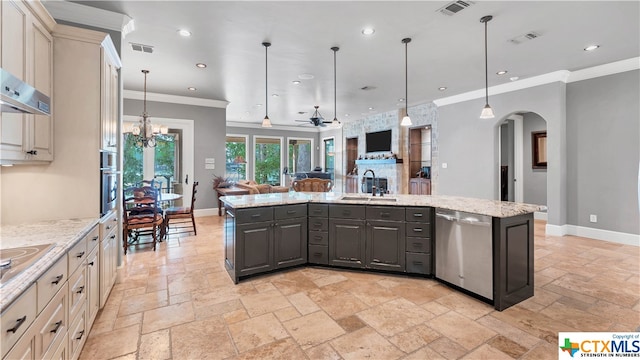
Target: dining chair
{"x": 181, "y": 219}
{"x": 312, "y": 185}
{"x": 141, "y": 216}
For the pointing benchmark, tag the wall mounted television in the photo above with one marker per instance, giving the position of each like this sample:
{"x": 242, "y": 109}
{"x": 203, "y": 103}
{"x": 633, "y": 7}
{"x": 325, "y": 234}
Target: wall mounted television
{"x": 378, "y": 141}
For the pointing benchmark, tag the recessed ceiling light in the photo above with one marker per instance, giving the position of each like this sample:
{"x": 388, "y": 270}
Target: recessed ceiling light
{"x": 259, "y": 105}
{"x": 347, "y": 115}
{"x": 501, "y": 72}
{"x": 184, "y": 32}
{"x": 401, "y": 99}
{"x": 514, "y": 78}
{"x": 305, "y": 76}
{"x": 370, "y": 108}
{"x": 246, "y": 112}
{"x": 591, "y": 47}
{"x": 201, "y": 65}
{"x": 301, "y": 112}
{"x": 368, "y": 31}
{"x": 296, "y": 82}
{"x": 191, "y": 88}
{"x": 442, "y": 88}
{"x": 275, "y": 95}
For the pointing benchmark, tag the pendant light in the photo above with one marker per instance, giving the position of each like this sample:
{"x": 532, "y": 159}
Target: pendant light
{"x": 266, "y": 123}
{"x": 406, "y": 120}
{"x": 487, "y": 111}
{"x": 335, "y": 122}
{"x": 144, "y": 132}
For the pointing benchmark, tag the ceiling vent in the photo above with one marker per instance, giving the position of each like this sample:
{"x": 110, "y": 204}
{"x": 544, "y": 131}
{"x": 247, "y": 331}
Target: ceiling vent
{"x": 142, "y": 48}
{"x": 525, "y": 37}
{"x": 454, "y": 7}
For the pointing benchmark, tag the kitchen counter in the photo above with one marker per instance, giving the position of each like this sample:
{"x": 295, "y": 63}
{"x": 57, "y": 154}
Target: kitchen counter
{"x": 494, "y": 208}
{"x": 63, "y": 233}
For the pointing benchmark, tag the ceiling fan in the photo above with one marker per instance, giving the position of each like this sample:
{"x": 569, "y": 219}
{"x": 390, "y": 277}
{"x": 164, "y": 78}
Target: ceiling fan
{"x": 316, "y": 119}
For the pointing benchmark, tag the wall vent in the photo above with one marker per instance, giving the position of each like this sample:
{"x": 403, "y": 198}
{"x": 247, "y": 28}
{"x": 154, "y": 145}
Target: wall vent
{"x": 454, "y": 7}
{"x": 525, "y": 37}
{"x": 142, "y": 48}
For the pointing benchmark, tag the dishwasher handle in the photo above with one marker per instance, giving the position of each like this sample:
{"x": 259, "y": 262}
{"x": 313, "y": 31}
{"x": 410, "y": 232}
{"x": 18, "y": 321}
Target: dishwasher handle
{"x": 465, "y": 220}
{"x": 446, "y": 217}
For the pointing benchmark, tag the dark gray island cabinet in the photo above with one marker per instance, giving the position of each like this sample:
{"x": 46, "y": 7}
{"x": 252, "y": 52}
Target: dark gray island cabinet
{"x": 263, "y": 235}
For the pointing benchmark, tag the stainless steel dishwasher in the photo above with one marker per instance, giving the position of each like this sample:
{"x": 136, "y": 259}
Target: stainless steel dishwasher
{"x": 464, "y": 252}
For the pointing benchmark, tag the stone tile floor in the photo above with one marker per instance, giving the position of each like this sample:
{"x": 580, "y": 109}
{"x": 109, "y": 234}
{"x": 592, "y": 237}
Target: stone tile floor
{"x": 179, "y": 303}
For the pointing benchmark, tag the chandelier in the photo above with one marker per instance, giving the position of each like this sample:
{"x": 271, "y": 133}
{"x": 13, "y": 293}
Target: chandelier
{"x": 144, "y": 132}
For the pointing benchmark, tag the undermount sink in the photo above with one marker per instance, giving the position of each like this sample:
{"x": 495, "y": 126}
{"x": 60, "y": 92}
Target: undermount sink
{"x": 357, "y": 198}
{"x": 384, "y": 199}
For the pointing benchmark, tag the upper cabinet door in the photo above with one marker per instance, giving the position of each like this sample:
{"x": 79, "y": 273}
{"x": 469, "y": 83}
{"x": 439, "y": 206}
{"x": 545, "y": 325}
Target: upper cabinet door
{"x": 14, "y": 38}
{"x": 41, "y": 129}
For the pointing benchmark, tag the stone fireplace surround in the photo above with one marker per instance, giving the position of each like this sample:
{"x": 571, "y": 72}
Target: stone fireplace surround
{"x": 397, "y": 174}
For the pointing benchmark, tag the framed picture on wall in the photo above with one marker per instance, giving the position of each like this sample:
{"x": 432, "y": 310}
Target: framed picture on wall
{"x": 539, "y": 149}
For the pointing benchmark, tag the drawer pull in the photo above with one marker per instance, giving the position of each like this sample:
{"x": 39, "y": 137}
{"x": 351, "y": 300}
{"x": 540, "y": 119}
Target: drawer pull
{"x": 346, "y": 212}
{"x": 108, "y": 227}
{"x": 376, "y": 260}
{"x": 417, "y": 229}
{"x": 94, "y": 238}
{"x": 80, "y": 254}
{"x": 19, "y": 323}
{"x": 385, "y": 214}
{"x": 255, "y": 216}
{"x": 291, "y": 211}
{"x": 318, "y": 237}
{"x": 91, "y": 263}
{"x": 317, "y": 224}
{"x": 112, "y": 236}
{"x": 57, "y": 327}
{"x": 317, "y": 254}
{"x": 417, "y": 244}
{"x": 317, "y": 211}
{"x": 417, "y": 215}
{"x": 80, "y": 290}
{"x": 417, "y": 263}
{"x": 57, "y": 279}
{"x": 353, "y": 259}
{"x": 81, "y": 334}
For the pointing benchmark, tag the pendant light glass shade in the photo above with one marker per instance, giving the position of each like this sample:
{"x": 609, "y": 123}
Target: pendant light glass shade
{"x": 144, "y": 132}
{"x": 406, "y": 120}
{"x": 487, "y": 111}
{"x": 266, "y": 122}
{"x": 335, "y": 123}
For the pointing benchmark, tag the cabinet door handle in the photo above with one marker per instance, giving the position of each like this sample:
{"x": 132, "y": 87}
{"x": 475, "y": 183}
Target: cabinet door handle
{"x": 417, "y": 229}
{"x": 376, "y": 260}
{"x": 80, "y": 254}
{"x": 32, "y": 152}
{"x": 417, "y": 215}
{"x": 81, "y": 334}
{"x": 57, "y": 279}
{"x": 57, "y": 327}
{"x": 19, "y": 323}
{"x": 353, "y": 259}
{"x": 80, "y": 290}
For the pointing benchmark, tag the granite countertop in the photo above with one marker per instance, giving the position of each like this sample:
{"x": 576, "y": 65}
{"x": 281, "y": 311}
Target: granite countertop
{"x": 64, "y": 234}
{"x": 494, "y": 208}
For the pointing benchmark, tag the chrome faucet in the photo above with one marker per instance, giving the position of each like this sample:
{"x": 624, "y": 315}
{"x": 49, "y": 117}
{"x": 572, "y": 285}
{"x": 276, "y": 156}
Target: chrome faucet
{"x": 373, "y": 181}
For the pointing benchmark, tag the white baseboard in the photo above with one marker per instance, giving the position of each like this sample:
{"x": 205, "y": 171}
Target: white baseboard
{"x": 556, "y": 230}
{"x": 607, "y": 235}
{"x": 205, "y": 212}
{"x": 540, "y": 215}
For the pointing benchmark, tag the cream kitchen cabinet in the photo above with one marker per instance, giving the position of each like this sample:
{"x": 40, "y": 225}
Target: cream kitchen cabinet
{"x": 109, "y": 116}
{"x": 109, "y": 231}
{"x": 27, "y": 53}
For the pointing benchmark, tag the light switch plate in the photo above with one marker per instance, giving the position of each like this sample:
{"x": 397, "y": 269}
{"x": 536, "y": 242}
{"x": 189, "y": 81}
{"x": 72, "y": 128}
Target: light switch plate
{"x": 209, "y": 166}
{"x": 210, "y": 161}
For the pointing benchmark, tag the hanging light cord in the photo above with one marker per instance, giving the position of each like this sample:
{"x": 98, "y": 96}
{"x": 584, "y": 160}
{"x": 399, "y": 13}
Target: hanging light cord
{"x": 266, "y": 79}
{"x": 485, "y": 20}
{"x": 335, "y": 116}
{"x": 406, "y": 42}
{"x": 144, "y": 111}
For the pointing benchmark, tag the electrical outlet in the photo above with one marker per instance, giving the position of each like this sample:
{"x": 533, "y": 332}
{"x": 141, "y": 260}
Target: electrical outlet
{"x": 593, "y": 218}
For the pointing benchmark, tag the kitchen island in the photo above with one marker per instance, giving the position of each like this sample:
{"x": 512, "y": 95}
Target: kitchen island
{"x": 398, "y": 234}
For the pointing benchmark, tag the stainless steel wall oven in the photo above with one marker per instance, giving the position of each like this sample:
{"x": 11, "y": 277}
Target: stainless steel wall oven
{"x": 108, "y": 181}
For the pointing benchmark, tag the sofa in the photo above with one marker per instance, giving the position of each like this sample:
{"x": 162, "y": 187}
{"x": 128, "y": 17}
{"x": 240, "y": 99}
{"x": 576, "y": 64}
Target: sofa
{"x": 255, "y": 188}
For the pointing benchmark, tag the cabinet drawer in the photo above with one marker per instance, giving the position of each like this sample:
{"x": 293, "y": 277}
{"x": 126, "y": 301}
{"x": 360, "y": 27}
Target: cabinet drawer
{"x": 347, "y": 212}
{"x": 418, "y": 245}
{"x": 77, "y": 335}
{"x": 290, "y": 211}
{"x": 418, "y": 263}
{"x": 51, "y": 325}
{"x": 93, "y": 238}
{"x": 77, "y": 255}
{"x": 318, "y": 254}
{"x": 318, "y": 224}
{"x": 77, "y": 291}
{"x": 319, "y": 237}
{"x": 16, "y": 319}
{"x": 107, "y": 224}
{"x": 385, "y": 213}
{"x": 418, "y": 230}
{"x": 422, "y": 215}
{"x": 320, "y": 210}
{"x": 52, "y": 281}
{"x": 254, "y": 215}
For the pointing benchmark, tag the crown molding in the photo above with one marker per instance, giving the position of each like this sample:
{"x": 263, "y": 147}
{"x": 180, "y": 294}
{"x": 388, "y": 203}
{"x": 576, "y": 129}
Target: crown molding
{"x": 42, "y": 14}
{"x": 274, "y": 127}
{"x": 564, "y": 76}
{"x": 87, "y": 15}
{"x": 175, "y": 99}
{"x": 606, "y": 69}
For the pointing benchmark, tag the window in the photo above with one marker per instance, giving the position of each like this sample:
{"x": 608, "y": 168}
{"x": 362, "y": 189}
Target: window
{"x": 236, "y": 157}
{"x": 329, "y": 155}
{"x": 267, "y": 160}
{"x": 300, "y": 154}
{"x": 161, "y": 162}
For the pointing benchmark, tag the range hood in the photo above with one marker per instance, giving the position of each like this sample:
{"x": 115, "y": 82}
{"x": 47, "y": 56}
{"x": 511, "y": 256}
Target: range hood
{"x": 18, "y": 96}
